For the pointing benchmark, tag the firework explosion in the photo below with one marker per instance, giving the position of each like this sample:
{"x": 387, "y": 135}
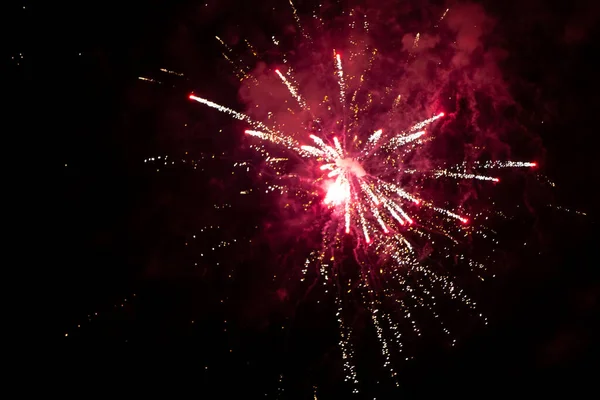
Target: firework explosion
{"x": 362, "y": 190}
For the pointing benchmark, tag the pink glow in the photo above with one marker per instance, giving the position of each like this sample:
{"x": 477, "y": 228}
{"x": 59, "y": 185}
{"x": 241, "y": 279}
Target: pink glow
{"x": 336, "y": 193}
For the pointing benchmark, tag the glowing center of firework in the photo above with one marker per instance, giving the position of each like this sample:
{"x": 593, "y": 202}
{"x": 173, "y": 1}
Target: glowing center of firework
{"x": 337, "y": 193}
{"x": 350, "y": 166}
{"x": 344, "y": 169}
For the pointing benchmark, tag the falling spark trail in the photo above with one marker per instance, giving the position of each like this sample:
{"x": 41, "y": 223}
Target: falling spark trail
{"x": 235, "y": 114}
{"x": 293, "y": 90}
{"x": 297, "y": 19}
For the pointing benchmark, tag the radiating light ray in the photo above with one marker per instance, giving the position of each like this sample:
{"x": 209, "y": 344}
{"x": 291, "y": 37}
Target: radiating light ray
{"x": 402, "y": 212}
{"x": 393, "y": 212}
{"x": 447, "y": 212}
{"x": 338, "y": 147}
{"x": 363, "y": 222}
{"x": 443, "y": 172}
{"x": 354, "y": 107}
{"x": 444, "y": 14}
{"x": 313, "y": 151}
{"x": 233, "y": 113}
{"x": 399, "y": 191}
{"x": 416, "y": 41}
{"x": 297, "y": 19}
{"x": 375, "y": 136}
{"x": 229, "y": 50}
{"x": 426, "y": 122}
{"x": 506, "y": 164}
{"x": 272, "y": 137}
{"x": 141, "y": 78}
{"x": 340, "y": 74}
{"x": 327, "y": 149}
{"x": 347, "y": 215}
{"x": 241, "y": 72}
{"x": 402, "y": 140}
{"x": 252, "y": 49}
{"x": 345, "y": 345}
{"x": 385, "y": 347}
{"x": 292, "y": 90}
{"x": 171, "y": 72}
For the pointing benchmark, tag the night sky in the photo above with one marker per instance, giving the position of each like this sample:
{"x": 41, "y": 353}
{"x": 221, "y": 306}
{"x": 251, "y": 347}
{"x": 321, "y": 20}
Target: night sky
{"x": 130, "y": 263}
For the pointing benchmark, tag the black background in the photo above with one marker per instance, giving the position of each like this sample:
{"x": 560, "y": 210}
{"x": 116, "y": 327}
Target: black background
{"x": 108, "y": 218}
